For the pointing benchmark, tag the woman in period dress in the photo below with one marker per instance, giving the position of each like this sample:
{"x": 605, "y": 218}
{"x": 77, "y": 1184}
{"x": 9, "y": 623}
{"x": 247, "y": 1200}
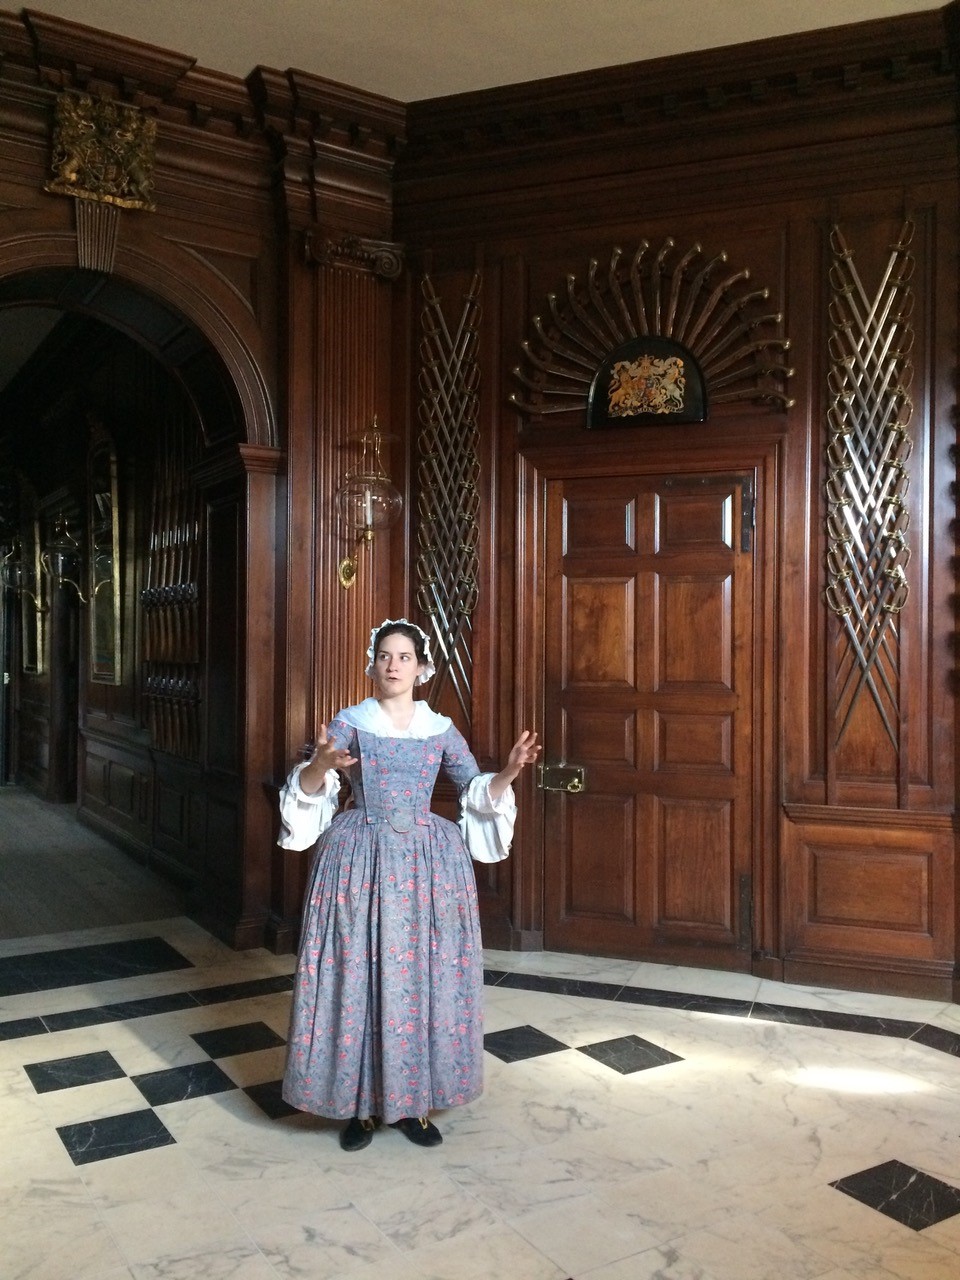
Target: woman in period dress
{"x": 386, "y": 1023}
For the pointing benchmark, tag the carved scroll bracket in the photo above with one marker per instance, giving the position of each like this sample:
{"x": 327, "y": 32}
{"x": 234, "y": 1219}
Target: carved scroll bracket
{"x": 380, "y": 257}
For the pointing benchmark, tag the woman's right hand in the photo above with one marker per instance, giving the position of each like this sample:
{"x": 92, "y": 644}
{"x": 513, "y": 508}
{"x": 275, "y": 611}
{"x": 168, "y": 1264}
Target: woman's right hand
{"x": 326, "y": 755}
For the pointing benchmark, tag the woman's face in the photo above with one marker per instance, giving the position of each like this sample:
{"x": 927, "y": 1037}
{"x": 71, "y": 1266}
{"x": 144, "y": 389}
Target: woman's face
{"x": 395, "y": 666}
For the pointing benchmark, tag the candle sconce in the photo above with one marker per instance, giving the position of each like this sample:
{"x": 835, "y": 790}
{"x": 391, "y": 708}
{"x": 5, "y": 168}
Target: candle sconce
{"x": 16, "y": 574}
{"x": 62, "y": 559}
{"x": 21, "y": 573}
{"x": 366, "y": 501}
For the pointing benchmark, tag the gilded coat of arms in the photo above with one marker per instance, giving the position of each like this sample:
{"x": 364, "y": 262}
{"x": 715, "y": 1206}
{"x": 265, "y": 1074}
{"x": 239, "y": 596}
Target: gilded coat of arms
{"x": 103, "y": 150}
{"x": 646, "y": 385}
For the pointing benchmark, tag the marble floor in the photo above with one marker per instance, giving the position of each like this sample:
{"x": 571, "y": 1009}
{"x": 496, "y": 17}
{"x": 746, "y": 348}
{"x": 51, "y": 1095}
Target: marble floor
{"x": 639, "y": 1121}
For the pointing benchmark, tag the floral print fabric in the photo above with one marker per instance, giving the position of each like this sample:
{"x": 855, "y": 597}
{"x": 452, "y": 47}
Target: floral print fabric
{"x": 387, "y": 1003}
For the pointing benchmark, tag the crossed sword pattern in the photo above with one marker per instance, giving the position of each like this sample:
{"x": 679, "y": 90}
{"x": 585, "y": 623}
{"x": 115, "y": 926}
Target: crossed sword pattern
{"x": 448, "y": 499}
{"x": 867, "y": 454}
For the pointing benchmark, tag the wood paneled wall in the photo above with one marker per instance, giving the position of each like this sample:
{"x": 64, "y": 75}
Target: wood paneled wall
{"x": 296, "y": 223}
{"x": 759, "y": 151}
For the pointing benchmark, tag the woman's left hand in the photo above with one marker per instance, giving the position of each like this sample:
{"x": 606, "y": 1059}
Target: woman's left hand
{"x": 524, "y": 751}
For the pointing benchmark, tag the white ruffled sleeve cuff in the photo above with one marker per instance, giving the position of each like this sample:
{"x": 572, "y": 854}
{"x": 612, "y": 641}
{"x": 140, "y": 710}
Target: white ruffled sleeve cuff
{"x": 304, "y": 817}
{"x": 487, "y": 824}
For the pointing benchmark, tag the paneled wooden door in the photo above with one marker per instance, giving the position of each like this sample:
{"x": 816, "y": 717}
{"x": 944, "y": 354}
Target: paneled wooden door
{"x": 649, "y": 673}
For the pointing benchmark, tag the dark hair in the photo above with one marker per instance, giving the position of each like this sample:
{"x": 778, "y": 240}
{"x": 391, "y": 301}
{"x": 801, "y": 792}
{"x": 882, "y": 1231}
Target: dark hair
{"x": 401, "y": 629}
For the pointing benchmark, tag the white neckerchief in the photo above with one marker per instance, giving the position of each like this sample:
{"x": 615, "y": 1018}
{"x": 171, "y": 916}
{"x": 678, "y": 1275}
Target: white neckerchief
{"x": 369, "y": 716}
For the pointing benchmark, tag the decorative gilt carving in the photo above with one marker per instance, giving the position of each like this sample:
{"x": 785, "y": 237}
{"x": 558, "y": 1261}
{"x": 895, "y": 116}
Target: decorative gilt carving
{"x": 103, "y": 150}
{"x": 683, "y": 298}
{"x": 449, "y": 499}
{"x": 380, "y": 257}
{"x": 870, "y": 409}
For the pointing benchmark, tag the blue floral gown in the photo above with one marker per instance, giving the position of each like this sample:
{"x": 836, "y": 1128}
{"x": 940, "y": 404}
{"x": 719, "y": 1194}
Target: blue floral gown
{"x": 387, "y": 1002}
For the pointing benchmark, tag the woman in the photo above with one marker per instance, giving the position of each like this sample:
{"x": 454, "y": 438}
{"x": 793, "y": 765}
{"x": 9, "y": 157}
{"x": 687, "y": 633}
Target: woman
{"x": 386, "y": 1022}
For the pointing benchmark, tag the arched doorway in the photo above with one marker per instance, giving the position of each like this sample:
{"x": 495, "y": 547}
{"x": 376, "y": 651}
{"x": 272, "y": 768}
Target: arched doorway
{"x": 169, "y": 758}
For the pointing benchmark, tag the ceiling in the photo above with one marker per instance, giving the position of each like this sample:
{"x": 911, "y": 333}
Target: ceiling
{"x": 414, "y": 49}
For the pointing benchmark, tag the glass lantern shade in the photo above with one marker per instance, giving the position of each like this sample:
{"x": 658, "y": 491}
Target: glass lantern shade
{"x": 12, "y": 573}
{"x": 367, "y": 503}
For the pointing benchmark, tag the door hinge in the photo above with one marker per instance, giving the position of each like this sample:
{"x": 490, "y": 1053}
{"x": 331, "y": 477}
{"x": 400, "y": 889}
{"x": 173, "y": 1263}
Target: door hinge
{"x": 745, "y": 913}
{"x": 748, "y": 513}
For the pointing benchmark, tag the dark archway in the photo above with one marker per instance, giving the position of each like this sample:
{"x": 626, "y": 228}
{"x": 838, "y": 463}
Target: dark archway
{"x": 206, "y": 813}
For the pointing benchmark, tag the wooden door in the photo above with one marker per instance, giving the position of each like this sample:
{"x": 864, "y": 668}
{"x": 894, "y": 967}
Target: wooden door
{"x": 649, "y": 669}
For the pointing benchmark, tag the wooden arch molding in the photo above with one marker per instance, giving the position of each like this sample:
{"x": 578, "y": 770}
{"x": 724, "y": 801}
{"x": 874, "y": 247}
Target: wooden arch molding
{"x": 170, "y": 302}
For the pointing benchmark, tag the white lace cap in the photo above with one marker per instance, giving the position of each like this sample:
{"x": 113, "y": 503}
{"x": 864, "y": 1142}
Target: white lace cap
{"x": 429, "y": 669}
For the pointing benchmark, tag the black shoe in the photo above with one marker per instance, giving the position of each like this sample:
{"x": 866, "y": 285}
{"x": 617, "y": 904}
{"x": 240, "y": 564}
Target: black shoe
{"x": 357, "y": 1134}
{"x": 419, "y": 1130}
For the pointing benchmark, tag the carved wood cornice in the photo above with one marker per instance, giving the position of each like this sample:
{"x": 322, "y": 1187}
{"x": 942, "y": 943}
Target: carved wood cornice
{"x": 335, "y": 148}
{"x": 894, "y": 62}
{"x": 297, "y": 105}
{"x": 45, "y": 55}
{"x": 70, "y": 55}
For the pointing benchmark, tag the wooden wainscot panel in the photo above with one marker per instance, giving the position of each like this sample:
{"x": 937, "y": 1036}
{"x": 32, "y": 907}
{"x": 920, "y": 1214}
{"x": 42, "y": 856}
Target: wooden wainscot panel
{"x": 115, "y": 791}
{"x": 695, "y": 892}
{"x": 868, "y": 901}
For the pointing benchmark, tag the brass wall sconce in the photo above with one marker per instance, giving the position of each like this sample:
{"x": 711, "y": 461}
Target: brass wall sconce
{"x": 366, "y": 500}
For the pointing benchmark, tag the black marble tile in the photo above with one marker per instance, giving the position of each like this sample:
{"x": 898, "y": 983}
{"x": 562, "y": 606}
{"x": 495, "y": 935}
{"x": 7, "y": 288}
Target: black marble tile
{"x": 627, "y": 1054}
{"x": 244, "y": 990}
{"x": 685, "y": 1000}
{"x": 67, "y": 1073}
{"x": 68, "y": 1019}
{"x": 517, "y": 1043}
{"x": 21, "y": 1028}
{"x": 836, "y": 1020}
{"x": 92, "y": 1140}
{"x": 562, "y": 986}
{"x": 935, "y": 1038}
{"x": 73, "y": 966}
{"x": 246, "y": 1038}
{"x": 912, "y": 1198}
{"x": 175, "y": 1084}
{"x": 270, "y": 1100}
{"x": 123, "y": 1011}
{"x": 492, "y": 976}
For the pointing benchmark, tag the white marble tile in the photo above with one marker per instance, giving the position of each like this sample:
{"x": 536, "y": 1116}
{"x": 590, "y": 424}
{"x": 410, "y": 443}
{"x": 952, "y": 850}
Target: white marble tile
{"x": 92, "y": 1101}
{"x": 915, "y": 1256}
{"x": 329, "y": 1245}
{"x": 741, "y": 1247}
{"x": 491, "y": 1253}
{"x": 721, "y": 1159}
{"x": 558, "y": 964}
{"x": 424, "y": 1208}
{"x": 514, "y": 1183}
{"x": 242, "y": 1261}
{"x": 664, "y": 1262}
{"x": 591, "y": 1230}
{"x": 563, "y": 1094}
{"x": 948, "y": 1017}
{"x": 907, "y": 1008}
{"x": 156, "y": 1205}
{"x": 51, "y": 1231}
{"x": 701, "y": 982}
{"x": 91, "y": 937}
